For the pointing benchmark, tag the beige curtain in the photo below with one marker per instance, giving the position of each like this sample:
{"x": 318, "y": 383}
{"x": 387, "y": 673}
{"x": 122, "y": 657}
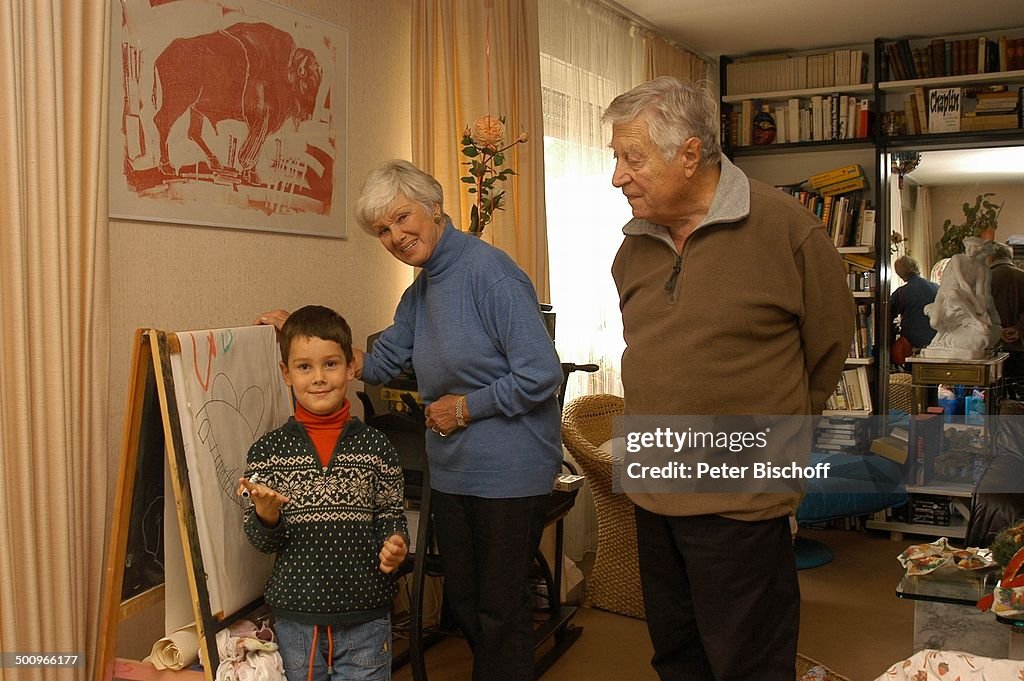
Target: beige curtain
{"x": 53, "y": 328}
{"x": 662, "y": 58}
{"x": 453, "y": 86}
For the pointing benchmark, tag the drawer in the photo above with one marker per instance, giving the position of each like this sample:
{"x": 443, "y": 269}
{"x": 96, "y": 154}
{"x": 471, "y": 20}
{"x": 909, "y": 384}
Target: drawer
{"x": 957, "y": 374}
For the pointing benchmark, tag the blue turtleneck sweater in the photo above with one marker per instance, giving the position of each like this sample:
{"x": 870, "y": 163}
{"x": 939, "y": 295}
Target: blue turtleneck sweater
{"x": 470, "y": 323}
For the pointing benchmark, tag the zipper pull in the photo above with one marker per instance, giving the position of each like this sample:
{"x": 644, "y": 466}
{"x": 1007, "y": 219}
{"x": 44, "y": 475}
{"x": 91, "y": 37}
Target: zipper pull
{"x": 670, "y": 285}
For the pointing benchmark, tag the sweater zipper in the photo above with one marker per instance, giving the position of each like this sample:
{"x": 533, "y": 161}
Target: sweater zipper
{"x": 673, "y": 278}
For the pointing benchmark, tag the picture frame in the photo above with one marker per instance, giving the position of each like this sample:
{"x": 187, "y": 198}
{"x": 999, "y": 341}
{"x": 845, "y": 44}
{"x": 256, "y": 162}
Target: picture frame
{"x": 228, "y": 113}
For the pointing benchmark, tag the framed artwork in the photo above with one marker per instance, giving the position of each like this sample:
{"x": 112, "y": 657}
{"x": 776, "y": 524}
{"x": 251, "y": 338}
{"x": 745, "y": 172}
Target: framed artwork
{"x": 228, "y": 113}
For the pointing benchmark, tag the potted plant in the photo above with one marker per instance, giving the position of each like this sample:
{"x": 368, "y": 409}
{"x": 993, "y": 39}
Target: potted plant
{"x": 980, "y": 220}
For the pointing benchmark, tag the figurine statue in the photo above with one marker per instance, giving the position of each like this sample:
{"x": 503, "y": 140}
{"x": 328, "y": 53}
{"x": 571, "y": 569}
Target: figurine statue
{"x": 963, "y": 314}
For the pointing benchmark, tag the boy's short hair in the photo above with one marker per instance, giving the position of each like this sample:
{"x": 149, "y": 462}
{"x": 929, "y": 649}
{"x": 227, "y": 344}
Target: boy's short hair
{"x": 316, "y": 321}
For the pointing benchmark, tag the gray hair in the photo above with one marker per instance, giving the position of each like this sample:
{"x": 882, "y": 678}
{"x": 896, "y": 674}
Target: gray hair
{"x": 905, "y": 266}
{"x": 674, "y": 110}
{"x": 387, "y": 183}
{"x": 1002, "y": 251}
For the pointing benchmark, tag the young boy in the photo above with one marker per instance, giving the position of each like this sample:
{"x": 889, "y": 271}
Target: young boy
{"x": 326, "y": 493}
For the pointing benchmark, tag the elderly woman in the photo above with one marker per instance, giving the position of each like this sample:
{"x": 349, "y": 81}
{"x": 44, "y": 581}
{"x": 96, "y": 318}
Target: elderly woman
{"x": 486, "y": 367}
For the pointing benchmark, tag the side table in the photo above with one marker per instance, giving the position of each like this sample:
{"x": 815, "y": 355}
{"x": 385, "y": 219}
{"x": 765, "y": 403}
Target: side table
{"x": 945, "y": 616}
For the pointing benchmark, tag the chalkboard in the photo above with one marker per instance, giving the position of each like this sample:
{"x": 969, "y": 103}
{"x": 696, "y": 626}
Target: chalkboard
{"x": 144, "y": 555}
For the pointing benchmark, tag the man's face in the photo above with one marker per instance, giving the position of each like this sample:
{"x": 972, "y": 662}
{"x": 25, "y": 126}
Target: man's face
{"x": 654, "y": 187}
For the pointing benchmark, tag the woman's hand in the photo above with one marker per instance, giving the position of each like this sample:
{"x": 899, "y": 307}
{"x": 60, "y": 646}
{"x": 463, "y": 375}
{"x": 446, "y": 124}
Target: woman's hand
{"x": 275, "y": 317}
{"x": 267, "y": 502}
{"x": 393, "y": 553}
{"x": 442, "y": 414}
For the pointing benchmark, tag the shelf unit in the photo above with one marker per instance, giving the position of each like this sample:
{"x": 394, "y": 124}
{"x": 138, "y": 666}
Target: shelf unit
{"x": 961, "y": 513}
{"x": 790, "y": 162}
{"x": 784, "y": 163}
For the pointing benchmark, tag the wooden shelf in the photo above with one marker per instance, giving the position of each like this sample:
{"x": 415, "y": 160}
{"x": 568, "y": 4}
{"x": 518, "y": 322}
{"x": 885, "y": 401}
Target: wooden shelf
{"x": 782, "y": 95}
{"x": 949, "y": 81}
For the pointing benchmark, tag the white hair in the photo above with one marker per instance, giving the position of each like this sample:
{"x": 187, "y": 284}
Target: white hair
{"x": 393, "y": 179}
{"x": 674, "y": 111}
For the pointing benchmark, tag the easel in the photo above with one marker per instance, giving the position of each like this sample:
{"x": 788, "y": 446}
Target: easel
{"x": 152, "y": 424}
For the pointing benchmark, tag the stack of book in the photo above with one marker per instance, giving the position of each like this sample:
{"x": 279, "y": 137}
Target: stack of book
{"x": 847, "y": 434}
{"x": 996, "y": 110}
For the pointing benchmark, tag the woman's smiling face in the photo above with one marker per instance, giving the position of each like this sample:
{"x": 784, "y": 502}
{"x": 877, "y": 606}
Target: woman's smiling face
{"x": 409, "y": 231}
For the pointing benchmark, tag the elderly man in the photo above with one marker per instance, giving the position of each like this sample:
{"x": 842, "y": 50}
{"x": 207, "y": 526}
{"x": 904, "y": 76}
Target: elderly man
{"x": 734, "y": 302}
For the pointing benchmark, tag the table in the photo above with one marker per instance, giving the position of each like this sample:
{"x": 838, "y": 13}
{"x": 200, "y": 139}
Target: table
{"x": 946, "y": 618}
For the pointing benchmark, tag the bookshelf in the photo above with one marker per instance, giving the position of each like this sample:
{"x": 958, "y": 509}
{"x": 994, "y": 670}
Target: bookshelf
{"x": 826, "y": 98}
{"x": 783, "y": 81}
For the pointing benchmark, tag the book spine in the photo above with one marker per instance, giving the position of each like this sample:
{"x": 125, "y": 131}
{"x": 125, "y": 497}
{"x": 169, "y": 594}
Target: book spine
{"x": 836, "y": 175}
{"x": 844, "y": 186}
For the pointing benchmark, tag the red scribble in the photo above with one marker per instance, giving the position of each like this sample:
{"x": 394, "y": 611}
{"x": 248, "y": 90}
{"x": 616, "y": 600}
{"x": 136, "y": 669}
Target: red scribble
{"x": 205, "y": 385}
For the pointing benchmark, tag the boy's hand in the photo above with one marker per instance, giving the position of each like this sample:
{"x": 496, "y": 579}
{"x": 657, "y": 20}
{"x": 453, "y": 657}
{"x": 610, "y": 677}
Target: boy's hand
{"x": 266, "y": 501}
{"x": 274, "y": 317}
{"x": 393, "y": 553}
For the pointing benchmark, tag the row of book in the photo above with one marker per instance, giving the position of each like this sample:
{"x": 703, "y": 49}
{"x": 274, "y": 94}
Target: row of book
{"x": 775, "y": 72}
{"x": 848, "y": 219}
{"x": 942, "y": 57}
{"x": 841, "y": 434}
{"x": 863, "y": 344}
{"x": 853, "y": 393}
{"x": 815, "y": 119}
{"x": 939, "y": 110}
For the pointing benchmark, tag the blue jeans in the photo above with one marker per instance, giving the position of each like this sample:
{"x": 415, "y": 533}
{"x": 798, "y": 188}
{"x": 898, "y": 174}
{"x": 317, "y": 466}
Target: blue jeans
{"x": 362, "y": 652}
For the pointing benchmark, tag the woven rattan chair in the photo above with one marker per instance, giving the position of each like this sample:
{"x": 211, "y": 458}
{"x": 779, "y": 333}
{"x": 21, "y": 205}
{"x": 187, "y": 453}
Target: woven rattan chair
{"x": 900, "y": 391}
{"x": 614, "y": 583}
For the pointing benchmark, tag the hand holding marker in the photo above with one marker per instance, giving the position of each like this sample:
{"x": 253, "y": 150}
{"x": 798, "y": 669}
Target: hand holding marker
{"x": 254, "y": 480}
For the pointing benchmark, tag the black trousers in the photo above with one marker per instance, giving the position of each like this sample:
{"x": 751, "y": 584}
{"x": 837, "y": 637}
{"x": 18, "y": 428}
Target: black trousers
{"x": 487, "y": 548}
{"x": 721, "y": 595}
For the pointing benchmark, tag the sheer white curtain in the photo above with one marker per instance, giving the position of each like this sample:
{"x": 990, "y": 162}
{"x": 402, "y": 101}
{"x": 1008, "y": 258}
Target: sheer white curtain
{"x": 588, "y": 56}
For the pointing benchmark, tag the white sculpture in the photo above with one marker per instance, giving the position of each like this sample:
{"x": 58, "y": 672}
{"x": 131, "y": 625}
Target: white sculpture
{"x": 963, "y": 314}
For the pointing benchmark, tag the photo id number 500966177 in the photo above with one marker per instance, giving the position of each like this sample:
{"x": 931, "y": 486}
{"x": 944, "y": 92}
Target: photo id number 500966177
{"x": 12, "y": 660}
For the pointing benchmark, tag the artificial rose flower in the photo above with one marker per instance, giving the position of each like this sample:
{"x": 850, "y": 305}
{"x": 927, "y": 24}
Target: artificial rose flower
{"x": 488, "y": 131}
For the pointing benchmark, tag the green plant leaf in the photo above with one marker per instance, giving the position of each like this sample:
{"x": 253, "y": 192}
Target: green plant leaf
{"x": 471, "y": 151}
{"x": 499, "y": 159}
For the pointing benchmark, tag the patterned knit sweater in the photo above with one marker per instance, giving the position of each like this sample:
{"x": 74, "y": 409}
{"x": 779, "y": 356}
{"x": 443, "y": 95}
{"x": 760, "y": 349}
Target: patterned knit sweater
{"x": 331, "y": 531}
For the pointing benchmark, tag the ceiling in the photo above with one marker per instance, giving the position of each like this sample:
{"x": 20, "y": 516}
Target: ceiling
{"x": 739, "y": 27}
{"x": 735, "y": 27}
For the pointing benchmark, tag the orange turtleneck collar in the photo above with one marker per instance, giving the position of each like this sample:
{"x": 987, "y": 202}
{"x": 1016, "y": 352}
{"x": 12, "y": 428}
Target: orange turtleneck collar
{"x": 323, "y": 430}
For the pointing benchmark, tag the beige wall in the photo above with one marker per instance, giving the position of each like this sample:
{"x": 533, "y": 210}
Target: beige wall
{"x": 947, "y": 204}
{"x": 185, "y": 277}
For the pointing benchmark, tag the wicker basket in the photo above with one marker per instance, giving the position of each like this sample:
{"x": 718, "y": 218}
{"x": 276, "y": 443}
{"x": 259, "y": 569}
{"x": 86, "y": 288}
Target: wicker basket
{"x": 614, "y": 583}
{"x": 809, "y": 670}
{"x": 900, "y": 391}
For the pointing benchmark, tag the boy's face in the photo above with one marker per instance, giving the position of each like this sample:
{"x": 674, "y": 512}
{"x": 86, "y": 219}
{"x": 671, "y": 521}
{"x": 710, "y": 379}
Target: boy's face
{"x": 318, "y": 374}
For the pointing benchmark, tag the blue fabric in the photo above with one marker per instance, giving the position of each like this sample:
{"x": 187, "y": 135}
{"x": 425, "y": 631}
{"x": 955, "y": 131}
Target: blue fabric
{"x": 857, "y": 484}
{"x": 362, "y": 652}
{"x": 909, "y": 301}
{"x": 470, "y": 324}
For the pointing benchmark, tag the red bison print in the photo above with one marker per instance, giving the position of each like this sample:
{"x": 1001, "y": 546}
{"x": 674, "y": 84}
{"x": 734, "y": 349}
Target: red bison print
{"x": 248, "y": 72}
